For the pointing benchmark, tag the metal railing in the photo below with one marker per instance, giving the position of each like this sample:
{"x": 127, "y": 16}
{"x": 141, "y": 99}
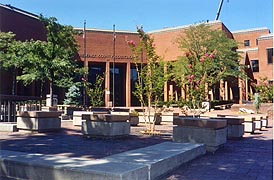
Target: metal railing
{"x": 10, "y": 104}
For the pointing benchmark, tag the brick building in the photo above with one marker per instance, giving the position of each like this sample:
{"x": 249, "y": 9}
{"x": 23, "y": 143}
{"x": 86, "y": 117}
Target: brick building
{"x": 107, "y": 53}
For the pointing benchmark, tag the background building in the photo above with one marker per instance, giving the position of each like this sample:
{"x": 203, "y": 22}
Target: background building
{"x": 106, "y": 52}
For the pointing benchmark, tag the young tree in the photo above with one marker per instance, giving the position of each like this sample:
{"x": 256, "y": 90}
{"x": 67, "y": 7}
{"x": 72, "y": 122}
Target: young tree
{"x": 150, "y": 78}
{"x": 210, "y": 56}
{"x": 52, "y": 60}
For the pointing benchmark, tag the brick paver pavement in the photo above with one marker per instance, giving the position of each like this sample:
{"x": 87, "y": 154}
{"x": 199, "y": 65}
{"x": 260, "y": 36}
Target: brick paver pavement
{"x": 248, "y": 158}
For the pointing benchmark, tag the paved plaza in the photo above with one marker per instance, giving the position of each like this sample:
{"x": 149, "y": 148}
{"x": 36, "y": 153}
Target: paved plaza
{"x": 248, "y": 158}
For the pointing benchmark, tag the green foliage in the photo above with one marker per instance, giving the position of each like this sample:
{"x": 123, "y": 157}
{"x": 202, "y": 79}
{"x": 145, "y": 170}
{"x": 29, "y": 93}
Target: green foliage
{"x": 265, "y": 90}
{"x": 210, "y": 56}
{"x": 95, "y": 91}
{"x": 73, "y": 96}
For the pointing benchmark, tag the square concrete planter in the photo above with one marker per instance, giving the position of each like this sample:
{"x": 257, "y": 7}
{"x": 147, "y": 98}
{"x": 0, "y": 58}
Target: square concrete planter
{"x": 106, "y": 125}
{"x": 211, "y": 132}
{"x": 40, "y": 121}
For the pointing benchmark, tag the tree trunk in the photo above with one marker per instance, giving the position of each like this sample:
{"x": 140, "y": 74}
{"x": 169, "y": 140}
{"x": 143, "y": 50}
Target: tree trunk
{"x": 51, "y": 93}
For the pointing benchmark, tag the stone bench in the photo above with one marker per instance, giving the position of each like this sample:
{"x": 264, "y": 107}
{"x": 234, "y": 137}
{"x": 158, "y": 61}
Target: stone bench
{"x": 78, "y": 116}
{"x": 235, "y": 126}
{"x": 133, "y": 118}
{"x": 168, "y": 116}
{"x": 211, "y": 132}
{"x": 41, "y": 121}
{"x": 105, "y": 125}
{"x": 8, "y": 127}
{"x": 249, "y": 124}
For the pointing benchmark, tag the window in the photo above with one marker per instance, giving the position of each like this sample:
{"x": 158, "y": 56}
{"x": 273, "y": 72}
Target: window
{"x": 269, "y": 55}
{"x": 246, "y": 43}
{"x": 255, "y": 65}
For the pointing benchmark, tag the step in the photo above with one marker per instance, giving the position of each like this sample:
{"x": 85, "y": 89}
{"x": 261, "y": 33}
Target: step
{"x": 144, "y": 163}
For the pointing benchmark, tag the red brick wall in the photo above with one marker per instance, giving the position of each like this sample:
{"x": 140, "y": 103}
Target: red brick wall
{"x": 266, "y": 70}
{"x": 99, "y": 46}
{"x": 249, "y": 35}
{"x": 166, "y": 40}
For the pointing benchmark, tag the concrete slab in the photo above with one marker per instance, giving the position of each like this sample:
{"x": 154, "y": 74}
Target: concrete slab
{"x": 41, "y": 167}
{"x": 161, "y": 158}
{"x": 140, "y": 164}
{"x": 8, "y": 127}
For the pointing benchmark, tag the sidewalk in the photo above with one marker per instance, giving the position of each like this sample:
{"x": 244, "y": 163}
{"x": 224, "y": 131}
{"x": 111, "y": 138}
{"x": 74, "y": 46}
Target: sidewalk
{"x": 248, "y": 158}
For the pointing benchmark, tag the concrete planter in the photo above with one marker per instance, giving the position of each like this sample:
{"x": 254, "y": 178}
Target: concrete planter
{"x": 41, "y": 121}
{"x": 211, "y": 132}
{"x": 105, "y": 125}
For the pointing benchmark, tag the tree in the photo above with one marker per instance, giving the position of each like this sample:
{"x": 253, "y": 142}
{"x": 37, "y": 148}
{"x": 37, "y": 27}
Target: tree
{"x": 150, "y": 78}
{"x": 210, "y": 56}
{"x": 52, "y": 60}
{"x": 11, "y": 54}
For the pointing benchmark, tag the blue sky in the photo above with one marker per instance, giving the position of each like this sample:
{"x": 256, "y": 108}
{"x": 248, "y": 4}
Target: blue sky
{"x": 151, "y": 14}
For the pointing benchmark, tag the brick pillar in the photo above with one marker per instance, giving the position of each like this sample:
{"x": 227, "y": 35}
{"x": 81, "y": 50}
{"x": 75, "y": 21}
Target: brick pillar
{"x": 128, "y": 86}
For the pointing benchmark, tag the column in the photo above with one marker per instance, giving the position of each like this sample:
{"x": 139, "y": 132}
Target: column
{"x": 240, "y": 91}
{"x": 128, "y": 86}
{"x": 170, "y": 93}
{"x": 246, "y": 89}
{"x": 107, "y": 85}
{"x": 226, "y": 91}
{"x": 221, "y": 89}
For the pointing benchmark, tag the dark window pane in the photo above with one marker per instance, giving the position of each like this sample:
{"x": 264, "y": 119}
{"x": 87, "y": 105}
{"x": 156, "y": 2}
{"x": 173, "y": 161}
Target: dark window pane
{"x": 269, "y": 55}
{"x": 255, "y": 65}
{"x": 246, "y": 42}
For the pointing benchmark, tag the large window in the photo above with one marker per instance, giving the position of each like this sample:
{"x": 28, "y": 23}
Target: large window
{"x": 269, "y": 55}
{"x": 255, "y": 65}
{"x": 246, "y": 43}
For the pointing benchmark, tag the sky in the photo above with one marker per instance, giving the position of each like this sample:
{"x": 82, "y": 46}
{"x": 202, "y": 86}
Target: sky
{"x": 151, "y": 14}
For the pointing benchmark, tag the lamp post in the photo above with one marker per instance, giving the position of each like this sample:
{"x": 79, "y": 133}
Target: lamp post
{"x": 85, "y": 65}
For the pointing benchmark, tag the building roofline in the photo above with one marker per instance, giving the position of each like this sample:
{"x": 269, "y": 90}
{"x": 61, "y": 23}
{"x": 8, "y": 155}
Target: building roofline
{"x": 250, "y": 30}
{"x": 12, "y": 8}
{"x": 265, "y": 37}
{"x": 105, "y": 30}
{"x": 183, "y": 27}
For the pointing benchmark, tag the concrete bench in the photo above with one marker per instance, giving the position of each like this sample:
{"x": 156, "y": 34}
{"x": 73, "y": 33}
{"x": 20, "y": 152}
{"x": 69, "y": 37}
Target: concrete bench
{"x": 235, "y": 126}
{"x": 133, "y": 118}
{"x": 78, "y": 116}
{"x": 211, "y": 132}
{"x": 41, "y": 121}
{"x": 105, "y": 125}
{"x": 168, "y": 116}
{"x": 249, "y": 124}
{"x": 8, "y": 127}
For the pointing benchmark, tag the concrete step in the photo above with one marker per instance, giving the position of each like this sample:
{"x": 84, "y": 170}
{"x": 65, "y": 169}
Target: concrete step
{"x": 145, "y": 163}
